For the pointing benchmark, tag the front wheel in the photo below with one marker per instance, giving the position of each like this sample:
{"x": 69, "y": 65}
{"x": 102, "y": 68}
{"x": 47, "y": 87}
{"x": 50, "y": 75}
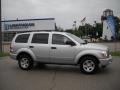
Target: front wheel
{"x": 88, "y": 65}
{"x": 25, "y": 62}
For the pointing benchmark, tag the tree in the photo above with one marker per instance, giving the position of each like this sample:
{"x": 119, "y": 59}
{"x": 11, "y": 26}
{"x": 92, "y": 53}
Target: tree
{"x": 85, "y": 30}
{"x": 69, "y": 30}
{"x": 88, "y": 30}
{"x": 98, "y": 29}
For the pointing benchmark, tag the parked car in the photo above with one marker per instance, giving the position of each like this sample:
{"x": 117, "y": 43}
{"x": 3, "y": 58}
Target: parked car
{"x": 51, "y": 47}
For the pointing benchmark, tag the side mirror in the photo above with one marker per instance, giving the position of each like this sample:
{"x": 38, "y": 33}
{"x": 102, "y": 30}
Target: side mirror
{"x": 70, "y": 43}
{"x": 86, "y": 41}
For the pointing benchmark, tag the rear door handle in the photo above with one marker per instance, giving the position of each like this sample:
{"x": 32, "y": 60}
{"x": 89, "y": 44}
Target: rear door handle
{"x": 31, "y": 46}
{"x": 53, "y": 48}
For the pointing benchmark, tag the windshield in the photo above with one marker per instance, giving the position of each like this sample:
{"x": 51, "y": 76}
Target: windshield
{"x": 79, "y": 40}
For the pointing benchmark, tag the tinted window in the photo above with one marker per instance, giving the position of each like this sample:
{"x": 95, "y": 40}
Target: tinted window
{"x": 59, "y": 39}
{"x": 22, "y": 38}
{"x": 40, "y": 38}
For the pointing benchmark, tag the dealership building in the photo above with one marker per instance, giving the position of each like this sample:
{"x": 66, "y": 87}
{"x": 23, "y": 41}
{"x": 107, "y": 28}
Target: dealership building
{"x": 11, "y": 27}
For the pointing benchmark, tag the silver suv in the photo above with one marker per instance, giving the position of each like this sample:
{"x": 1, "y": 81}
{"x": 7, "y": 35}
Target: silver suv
{"x": 58, "y": 48}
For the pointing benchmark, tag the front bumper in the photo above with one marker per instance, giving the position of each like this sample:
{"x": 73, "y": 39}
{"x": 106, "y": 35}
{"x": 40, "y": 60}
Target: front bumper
{"x": 106, "y": 61}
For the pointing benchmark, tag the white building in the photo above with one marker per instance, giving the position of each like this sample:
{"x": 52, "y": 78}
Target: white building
{"x": 11, "y": 27}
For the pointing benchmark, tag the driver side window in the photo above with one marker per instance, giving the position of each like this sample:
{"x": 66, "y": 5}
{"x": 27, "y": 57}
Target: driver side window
{"x": 59, "y": 39}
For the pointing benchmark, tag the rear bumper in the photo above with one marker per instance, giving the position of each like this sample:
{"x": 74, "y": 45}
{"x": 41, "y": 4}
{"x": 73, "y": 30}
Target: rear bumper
{"x": 13, "y": 56}
{"x": 106, "y": 61}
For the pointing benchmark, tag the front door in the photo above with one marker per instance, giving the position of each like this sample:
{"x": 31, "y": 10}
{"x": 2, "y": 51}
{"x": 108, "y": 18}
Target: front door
{"x": 60, "y": 52}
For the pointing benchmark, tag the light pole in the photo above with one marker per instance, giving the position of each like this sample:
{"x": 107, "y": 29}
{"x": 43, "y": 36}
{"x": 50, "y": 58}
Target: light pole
{"x": 0, "y": 30}
{"x": 74, "y": 25}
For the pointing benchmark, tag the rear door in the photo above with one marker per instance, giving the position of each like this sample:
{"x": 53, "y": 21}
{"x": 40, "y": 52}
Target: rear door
{"x": 40, "y": 46}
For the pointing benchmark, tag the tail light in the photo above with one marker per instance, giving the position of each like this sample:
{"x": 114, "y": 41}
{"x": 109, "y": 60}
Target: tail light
{"x": 11, "y": 49}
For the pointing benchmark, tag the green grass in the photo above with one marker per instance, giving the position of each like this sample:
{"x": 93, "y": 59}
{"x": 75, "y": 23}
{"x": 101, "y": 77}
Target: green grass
{"x": 115, "y": 53}
{"x": 4, "y": 54}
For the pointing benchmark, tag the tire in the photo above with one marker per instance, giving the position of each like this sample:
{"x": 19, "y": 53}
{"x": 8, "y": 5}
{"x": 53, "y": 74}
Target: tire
{"x": 89, "y": 65}
{"x": 25, "y": 62}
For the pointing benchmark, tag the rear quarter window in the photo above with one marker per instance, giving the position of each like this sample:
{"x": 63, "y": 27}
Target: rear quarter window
{"x": 22, "y": 38}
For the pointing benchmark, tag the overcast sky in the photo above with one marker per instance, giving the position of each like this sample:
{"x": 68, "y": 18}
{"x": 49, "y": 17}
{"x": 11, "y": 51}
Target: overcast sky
{"x": 64, "y": 11}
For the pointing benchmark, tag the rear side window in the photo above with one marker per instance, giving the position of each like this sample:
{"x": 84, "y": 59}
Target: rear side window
{"x": 40, "y": 38}
{"x": 22, "y": 38}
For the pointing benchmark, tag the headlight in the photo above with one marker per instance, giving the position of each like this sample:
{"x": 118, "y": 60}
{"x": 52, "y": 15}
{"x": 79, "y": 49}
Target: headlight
{"x": 104, "y": 54}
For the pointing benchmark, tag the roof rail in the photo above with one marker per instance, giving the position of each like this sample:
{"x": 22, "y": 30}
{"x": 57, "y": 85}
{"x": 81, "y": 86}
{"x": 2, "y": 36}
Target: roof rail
{"x": 45, "y": 31}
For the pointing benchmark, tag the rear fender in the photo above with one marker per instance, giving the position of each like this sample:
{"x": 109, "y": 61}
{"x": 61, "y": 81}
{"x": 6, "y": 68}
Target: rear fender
{"x": 28, "y": 51}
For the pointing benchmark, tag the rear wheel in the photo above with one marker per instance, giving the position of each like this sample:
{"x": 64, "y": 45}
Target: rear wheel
{"x": 25, "y": 62}
{"x": 88, "y": 65}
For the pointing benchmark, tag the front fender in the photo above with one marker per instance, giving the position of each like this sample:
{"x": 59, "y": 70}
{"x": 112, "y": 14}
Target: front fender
{"x": 28, "y": 51}
{"x": 95, "y": 53}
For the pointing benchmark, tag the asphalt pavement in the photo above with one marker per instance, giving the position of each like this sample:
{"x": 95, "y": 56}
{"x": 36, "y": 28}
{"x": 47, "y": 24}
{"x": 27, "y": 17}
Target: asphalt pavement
{"x": 57, "y": 77}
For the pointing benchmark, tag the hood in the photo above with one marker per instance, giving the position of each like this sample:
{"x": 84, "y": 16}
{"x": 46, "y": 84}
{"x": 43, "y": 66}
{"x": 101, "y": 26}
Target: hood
{"x": 94, "y": 46}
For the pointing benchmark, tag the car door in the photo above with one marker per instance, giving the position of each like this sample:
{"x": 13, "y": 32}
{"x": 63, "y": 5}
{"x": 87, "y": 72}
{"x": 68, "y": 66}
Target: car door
{"x": 40, "y": 47}
{"x": 60, "y": 52}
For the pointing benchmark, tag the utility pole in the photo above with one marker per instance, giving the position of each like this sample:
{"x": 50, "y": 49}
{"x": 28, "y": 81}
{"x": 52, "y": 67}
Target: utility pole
{"x": 0, "y": 30}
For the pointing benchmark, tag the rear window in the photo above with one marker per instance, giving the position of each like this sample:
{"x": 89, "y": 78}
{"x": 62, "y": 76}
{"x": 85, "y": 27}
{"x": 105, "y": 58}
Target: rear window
{"x": 41, "y": 38}
{"x": 22, "y": 38}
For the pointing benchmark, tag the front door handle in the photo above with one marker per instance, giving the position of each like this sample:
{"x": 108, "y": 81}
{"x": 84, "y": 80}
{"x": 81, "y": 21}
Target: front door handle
{"x": 31, "y": 46}
{"x": 53, "y": 48}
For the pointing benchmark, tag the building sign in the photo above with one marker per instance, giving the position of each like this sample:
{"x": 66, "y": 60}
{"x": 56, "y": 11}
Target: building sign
{"x": 18, "y": 26}
{"x": 29, "y": 24}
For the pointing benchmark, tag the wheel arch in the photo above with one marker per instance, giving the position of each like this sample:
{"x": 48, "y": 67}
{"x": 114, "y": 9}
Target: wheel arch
{"x": 24, "y": 53}
{"x": 90, "y": 55}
